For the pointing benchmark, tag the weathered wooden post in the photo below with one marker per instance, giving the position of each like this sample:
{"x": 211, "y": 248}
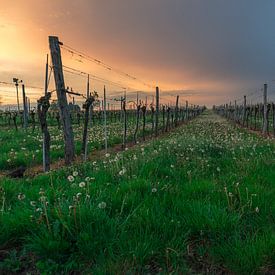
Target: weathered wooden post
{"x": 226, "y": 110}
{"x": 105, "y": 121}
{"x": 157, "y": 111}
{"x": 32, "y": 115}
{"x": 121, "y": 108}
{"x": 87, "y": 95}
{"x": 265, "y": 122}
{"x": 163, "y": 118}
{"x": 16, "y": 80}
{"x": 143, "y": 109}
{"x": 244, "y": 109}
{"x": 125, "y": 121}
{"x": 29, "y": 105}
{"x": 42, "y": 109}
{"x": 268, "y": 112}
{"x": 43, "y": 105}
{"x": 25, "y": 108}
{"x": 152, "y": 117}
{"x": 46, "y": 75}
{"x": 177, "y": 111}
{"x": 168, "y": 119}
{"x": 88, "y": 86}
{"x": 137, "y": 120}
{"x": 255, "y": 115}
{"x": 62, "y": 99}
{"x": 186, "y": 110}
{"x": 14, "y": 118}
{"x": 235, "y": 111}
{"x": 86, "y": 106}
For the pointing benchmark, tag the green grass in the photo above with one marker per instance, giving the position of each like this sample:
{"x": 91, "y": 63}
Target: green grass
{"x": 25, "y": 147}
{"x": 200, "y": 198}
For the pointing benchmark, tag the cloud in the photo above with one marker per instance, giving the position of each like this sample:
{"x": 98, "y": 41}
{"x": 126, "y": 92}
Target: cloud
{"x": 213, "y": 50}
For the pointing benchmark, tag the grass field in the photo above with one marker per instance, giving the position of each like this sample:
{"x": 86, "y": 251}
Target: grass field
{"x": 25, "y": 147}
{"x": 199, "y": 200}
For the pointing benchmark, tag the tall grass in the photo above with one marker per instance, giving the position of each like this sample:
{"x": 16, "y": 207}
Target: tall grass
{"x": 199, "y": 199}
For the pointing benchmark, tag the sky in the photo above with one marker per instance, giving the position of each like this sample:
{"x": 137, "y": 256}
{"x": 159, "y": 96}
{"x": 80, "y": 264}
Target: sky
{"x": 207, "y": 51}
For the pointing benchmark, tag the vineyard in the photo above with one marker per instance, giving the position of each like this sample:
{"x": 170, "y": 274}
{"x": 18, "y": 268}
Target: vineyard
{"x": 120, "y": 180}
{"x": 56, "y": 129}
{"x": 259, "y": 116}
{"x": 27, "y": 151}
{"x": 205, "y": 190}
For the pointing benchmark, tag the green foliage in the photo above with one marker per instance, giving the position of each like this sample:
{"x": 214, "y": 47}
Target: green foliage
{"x": 201, "y": 198}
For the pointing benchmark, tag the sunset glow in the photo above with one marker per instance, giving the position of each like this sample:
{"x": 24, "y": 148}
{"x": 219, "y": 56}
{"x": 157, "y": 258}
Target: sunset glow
{"x": 201, "y": 60}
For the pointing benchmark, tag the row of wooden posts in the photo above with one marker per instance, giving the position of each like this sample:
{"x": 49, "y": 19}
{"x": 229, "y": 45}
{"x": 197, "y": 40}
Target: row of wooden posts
{"x": 170, "y": 116}
{"x": 44, "y": 105}
{"x": 26, "y": 104}
{"x": 77, "y": 116}
{"x": 260, "y": 116}
{"x": 168, "y": 119}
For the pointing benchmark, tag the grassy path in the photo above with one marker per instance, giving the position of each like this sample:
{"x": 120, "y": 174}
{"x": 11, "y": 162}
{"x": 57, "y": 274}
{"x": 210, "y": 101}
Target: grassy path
{"x": 200, "y": 199}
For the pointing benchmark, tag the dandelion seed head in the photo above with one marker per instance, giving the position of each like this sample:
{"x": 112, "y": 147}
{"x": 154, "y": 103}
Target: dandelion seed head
{"x": 82, "y": 184}
{"x": 102, "y": 205}
{"x": 70, "y": 178}
{"x": 21, "y": 196}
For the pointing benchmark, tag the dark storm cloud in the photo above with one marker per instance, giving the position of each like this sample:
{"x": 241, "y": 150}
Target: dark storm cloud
{"x": 218, "y": 48}
{"x": 215, "y": 39}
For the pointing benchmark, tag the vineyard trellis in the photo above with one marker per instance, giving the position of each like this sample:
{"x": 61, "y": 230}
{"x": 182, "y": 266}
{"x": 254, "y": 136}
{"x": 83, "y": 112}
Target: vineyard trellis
{"x": 64, "y": 113}
{"x": 259, "y": 116}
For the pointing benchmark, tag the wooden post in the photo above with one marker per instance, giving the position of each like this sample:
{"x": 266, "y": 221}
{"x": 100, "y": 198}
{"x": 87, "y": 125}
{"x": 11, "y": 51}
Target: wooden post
{"x": 137, "y": 120}
{"x": 235, "y": 111}
{"x": 143, "y": 109}
{"x": 168, "y": 119}
{"x": 163, "y": 118}
{"x": 62, "y": 99}
{"x": 25, "y": 110}
{"x": 121, "y": 108}
{"x": 244, "y": 109}
{"x": 105, "y": 121}
{"x": 186, "y": 106}
{"x": 88, "y": 86}
{"x": 157, "y": 111}
{"x": 14, "y": 118}
{"x": 152, "y": 118}
{"x": 177, "y": 111}
{"x": 87, "y": 106}
{"x": 47, "y": 74}
{"x": 226, "y": 110}
{"x": 42, "y": 109}
{"x": 42, "y": 113}
{"x": 265, "y": 122}
{"x": 29, "y": 104}
{"x": 125, "y": 121}
{"x": 17, "y": 95}
{"x": 15, "y": 80}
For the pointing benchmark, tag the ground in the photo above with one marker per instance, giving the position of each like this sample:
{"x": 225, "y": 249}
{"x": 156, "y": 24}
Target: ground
{"x": 199, "y": 200}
